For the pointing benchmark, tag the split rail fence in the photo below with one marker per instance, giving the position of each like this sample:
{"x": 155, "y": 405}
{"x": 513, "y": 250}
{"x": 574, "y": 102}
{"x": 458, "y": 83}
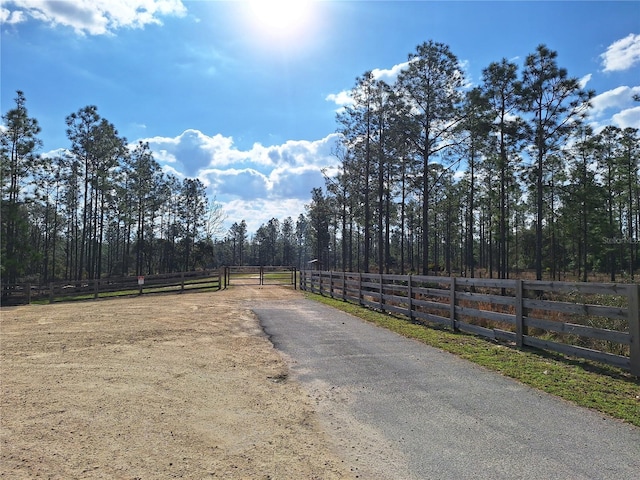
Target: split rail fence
{"x": 595, "y": 321}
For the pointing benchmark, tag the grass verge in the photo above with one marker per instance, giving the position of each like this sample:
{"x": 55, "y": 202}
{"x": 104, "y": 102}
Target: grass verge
{"x": 609, "y": 390}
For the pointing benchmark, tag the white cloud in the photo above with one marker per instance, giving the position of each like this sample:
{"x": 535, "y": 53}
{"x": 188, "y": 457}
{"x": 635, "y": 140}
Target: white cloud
{"x": 169, "y": 170}
{"x": 58, "y": 152}
{"x": 304, "y": 152}
{"x": 194, "y": 151}
{"x": 615, "y": 107}
{"x": 258, "y": 212}
{"x": 584, "y": 80}
{"x": 93, "y": 17}
{"x": 388, "y": 75}
{"x": 619, "y": 97}
{"x": 629, "y": 117}
{"x": 165, "y": 157}
{"x": 11, "y": 17}
{"x": 255, "y": 184}
{"x": 341, "y": 99}
{"x": 391, "y": 74}
{"x": 244, "y": 184}
{"x": 622, "y": 54}
{"x": 295, "y": 183}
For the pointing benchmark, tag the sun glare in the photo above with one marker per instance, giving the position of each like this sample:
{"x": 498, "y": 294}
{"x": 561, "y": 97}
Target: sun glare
{"x": 283, "y": 19}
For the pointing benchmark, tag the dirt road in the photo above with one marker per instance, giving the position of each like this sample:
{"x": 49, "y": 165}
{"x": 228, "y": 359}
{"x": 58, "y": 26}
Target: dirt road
{"x": 171, "y": 386}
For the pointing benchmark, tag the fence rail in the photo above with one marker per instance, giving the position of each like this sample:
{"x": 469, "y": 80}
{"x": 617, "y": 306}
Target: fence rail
{"x": 260, "y": 275}
{"x": 596, "y": 321}
{"x": 25, "y": 293}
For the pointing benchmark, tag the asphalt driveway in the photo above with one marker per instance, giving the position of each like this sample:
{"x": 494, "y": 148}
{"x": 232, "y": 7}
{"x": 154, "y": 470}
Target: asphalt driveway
{"x": 398, "y": 409}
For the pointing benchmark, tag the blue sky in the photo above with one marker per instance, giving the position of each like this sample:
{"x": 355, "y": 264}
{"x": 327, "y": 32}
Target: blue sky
{"x": 245, "y": 98}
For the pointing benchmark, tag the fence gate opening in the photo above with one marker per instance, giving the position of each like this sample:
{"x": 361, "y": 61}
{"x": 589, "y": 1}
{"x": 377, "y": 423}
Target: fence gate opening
{"x": 260, "y": 275}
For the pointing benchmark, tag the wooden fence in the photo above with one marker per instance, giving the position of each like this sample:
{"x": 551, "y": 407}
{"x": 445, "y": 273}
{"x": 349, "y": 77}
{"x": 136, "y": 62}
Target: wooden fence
{"x": 25, "y": 293}
{"x": 260, "y": 275}
{"x": 595, "y": 321}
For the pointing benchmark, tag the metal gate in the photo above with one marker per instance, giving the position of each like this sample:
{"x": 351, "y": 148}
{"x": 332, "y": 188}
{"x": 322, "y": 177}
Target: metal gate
{"x": 260, "y": 275}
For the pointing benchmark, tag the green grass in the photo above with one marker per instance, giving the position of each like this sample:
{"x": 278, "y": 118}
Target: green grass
{"x": 278, "y": 277}
{"x": 606, "y": 389}
{"x": 199, "y": 285}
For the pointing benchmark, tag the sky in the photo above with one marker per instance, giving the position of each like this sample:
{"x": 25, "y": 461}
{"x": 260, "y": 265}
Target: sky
{"x": 244, "y": 95}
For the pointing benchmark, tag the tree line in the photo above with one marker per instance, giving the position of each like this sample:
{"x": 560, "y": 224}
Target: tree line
{"x": 100, "y": 208}
{"x": 105, "y": 208}
{"x": 434, "y": 176}
{"x": 506, "y": 176}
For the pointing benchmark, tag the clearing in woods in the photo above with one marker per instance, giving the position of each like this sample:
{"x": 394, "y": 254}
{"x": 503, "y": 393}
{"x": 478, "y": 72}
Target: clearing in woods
{"x": 156, "y": 386}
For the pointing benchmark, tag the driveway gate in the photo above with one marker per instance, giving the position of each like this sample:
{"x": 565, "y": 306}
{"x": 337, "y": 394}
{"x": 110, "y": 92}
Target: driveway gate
{"x": 260, "y": 275}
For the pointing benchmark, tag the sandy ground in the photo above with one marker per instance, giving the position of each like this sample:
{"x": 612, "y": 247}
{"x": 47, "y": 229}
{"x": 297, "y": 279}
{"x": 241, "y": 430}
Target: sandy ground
{"x": 158, "y": 386}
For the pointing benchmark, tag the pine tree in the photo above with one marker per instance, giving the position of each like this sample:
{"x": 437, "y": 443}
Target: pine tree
{"x": 431, "y": 86}
{"x": 556, "y": 105}
{"x": 20, "y": 164}
{"x": 501, "y": 89}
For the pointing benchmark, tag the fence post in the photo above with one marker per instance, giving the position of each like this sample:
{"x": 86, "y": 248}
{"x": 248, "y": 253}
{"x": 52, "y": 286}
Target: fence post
{"x": 344, "y": 286}
{"x": 634, "y": 328}
{"x": 331, "y": 283}
{"x": 96, "y": 288}
{"x": 27, "y": 286}
{"x": 410, "y": 294}
{"x": 50, "y": 292}
{"x": 359, "y": 288}
{"x": 181, "y": 282}
{"x": 452, "y": 304}
{"x": 519, "y": 315}
{"x": 381, "y": 295}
